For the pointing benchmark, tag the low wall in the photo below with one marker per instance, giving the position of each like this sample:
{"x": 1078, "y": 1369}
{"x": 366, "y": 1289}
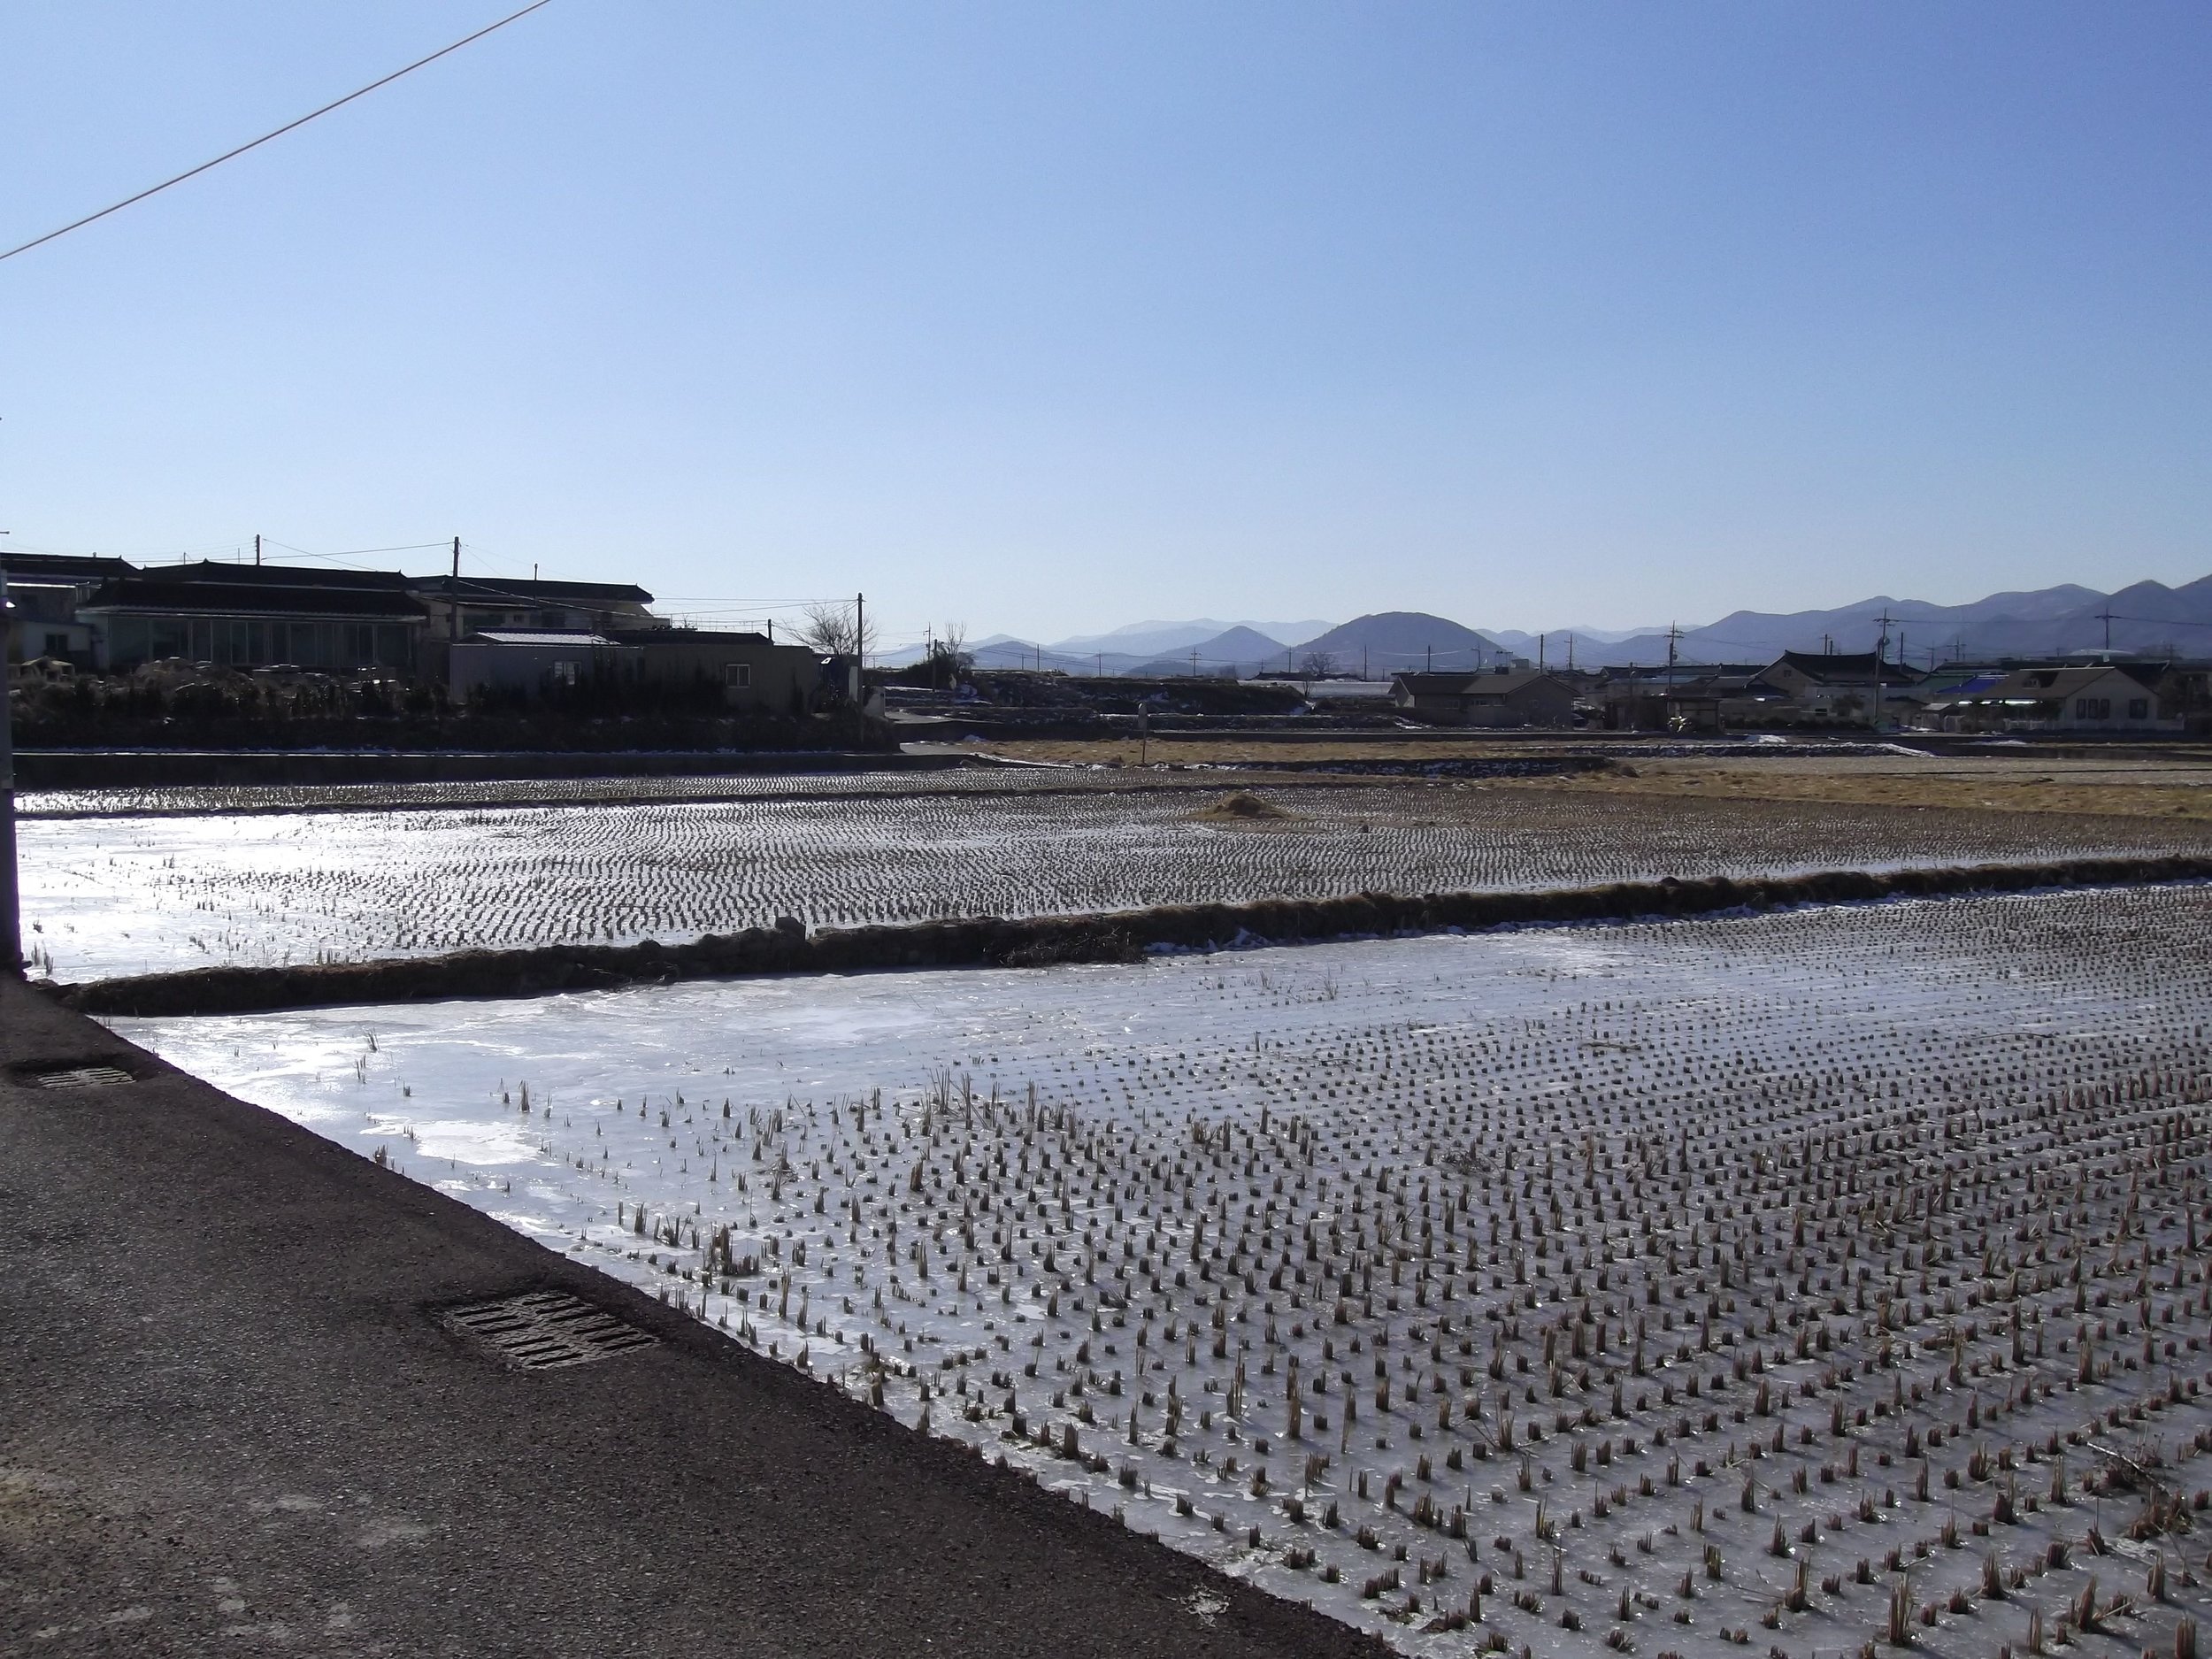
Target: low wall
{"x": 1120, "y": 936}
{"x": 138, "y": 769}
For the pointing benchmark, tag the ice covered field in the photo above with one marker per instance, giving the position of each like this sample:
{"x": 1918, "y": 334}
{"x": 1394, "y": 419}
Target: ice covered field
{"x": 1804, "y": 1280}
{"x": 106, "y": 896}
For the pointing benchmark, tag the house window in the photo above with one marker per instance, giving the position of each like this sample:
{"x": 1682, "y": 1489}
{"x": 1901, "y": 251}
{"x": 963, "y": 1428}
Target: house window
{"x": 2139, "y": 708}
{"x": 563, "y": 673}
{"x": 58, "y": 645}
{"x": 2093, "y": 708}
{"x": 738, "y": 676}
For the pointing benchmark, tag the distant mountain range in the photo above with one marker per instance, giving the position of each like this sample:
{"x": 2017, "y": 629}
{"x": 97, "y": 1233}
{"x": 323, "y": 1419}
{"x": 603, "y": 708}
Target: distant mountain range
{"x": 2145, "y": 616}
{"x": 1148, "y": 639}
{"x": 1403, "y": 641}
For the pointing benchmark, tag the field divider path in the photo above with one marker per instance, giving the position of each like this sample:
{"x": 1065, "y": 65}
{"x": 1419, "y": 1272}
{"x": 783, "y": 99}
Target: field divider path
{"x": 383, "y": 798}
{"x": 1039, "y": 941}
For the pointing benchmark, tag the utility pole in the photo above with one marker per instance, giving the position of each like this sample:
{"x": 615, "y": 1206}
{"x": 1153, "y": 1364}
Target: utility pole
{"x": 10, "y": 912}
{"x": 860, "y": 647}
{"x": 1194, "y": 661}
{"x": 256, "y": 548}
{"x": 2106, "y": 614}
{"x": 1540, "y": 653}
{"x": 1673, "y": 635}
{"x": 1432, "y": 659}
{"x": 1881, "y": 649}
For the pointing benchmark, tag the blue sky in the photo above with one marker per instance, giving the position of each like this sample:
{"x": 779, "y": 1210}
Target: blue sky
{"x": 1047, "y": 318}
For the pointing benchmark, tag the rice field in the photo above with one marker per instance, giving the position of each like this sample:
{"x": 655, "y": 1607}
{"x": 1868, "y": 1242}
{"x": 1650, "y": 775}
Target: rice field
{"x": 1812, "y": 1282}
{"x": 122, "y": 895}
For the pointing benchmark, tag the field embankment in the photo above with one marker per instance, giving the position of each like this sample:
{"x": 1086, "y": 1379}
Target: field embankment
{"x": 1118, "y": 936}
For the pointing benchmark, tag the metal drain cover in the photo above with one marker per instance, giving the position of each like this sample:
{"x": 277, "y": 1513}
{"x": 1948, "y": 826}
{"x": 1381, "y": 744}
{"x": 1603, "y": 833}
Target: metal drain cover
{"x": 80, "y": 1077}
{"x": 544, "y": 1329}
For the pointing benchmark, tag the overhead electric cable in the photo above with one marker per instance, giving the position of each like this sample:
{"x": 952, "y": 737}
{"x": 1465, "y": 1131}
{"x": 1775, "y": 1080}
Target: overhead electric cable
{"x": 38, "y": 242}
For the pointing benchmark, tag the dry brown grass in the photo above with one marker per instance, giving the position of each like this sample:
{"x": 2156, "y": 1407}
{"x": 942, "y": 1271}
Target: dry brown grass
{"x": 2125, "y": 784}
{"x": 1190, "y": 751}
{"x": 2100, "y": 788}
{"x": 1242, "y": 807}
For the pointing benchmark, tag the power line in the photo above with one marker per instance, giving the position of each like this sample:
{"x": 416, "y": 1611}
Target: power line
{"x": 39, "y": 241}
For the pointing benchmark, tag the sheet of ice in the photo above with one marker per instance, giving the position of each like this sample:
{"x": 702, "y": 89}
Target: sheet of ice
{"x": 1650, "y": 1278}
{"x": 108, "y": 897}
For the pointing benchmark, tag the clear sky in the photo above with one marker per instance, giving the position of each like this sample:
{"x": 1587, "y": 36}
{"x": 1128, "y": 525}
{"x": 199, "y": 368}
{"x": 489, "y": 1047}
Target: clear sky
{"x": 1045, "y": 318}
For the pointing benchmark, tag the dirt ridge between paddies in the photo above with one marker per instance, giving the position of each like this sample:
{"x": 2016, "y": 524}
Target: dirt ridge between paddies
{"x": 1039, "y": 941}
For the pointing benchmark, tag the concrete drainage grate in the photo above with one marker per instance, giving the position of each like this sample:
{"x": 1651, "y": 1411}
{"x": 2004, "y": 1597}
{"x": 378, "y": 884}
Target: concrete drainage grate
{"x": 80, "y": 1077}
{"x": 545, "y": 1330}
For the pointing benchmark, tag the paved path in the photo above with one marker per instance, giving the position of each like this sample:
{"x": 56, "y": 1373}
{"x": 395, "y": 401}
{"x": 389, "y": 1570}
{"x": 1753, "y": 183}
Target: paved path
{"x": 230, "y": 1424}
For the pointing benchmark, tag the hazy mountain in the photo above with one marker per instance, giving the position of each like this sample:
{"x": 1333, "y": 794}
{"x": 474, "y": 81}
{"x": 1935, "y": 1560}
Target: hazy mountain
{"x": 1144, "y": 640}
{"x": 1395, "y": 641}
{"x": 1241, "y": 651}
{"x": 2046, "y": 622}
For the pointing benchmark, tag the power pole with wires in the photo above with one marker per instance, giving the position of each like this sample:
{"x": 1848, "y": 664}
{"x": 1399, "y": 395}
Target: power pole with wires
{"x": 10, "y": 911}
{"x": 1674, "y": 635}
{"x": 1881, "y": 650}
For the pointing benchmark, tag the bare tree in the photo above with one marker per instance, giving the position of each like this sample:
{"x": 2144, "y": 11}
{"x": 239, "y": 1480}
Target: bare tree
{"x": 1319, "y": 664}
{"x": 949, "y": 655}
{"x": 830, "y": 629}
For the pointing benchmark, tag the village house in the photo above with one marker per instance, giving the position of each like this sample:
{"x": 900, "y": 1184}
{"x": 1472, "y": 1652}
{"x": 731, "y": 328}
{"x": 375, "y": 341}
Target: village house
{"x": 755, "y": 674}
{"x": 457, "y": 607}
{"x": 44, "y": 591}
{"x": 1506, "y": 696}
{"x": 256, "y": 615}
{"x": 2101, "y": 697}
{"x": 1839, "y": 687}
{"x": 743, "y": 673}
{"x": 1688, "y": 697}
{"x": 533, "y": 663}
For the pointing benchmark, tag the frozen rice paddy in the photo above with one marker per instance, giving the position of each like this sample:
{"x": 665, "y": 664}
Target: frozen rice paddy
{"x": 1800, "y": 1282}
{"x": 105, "y": 897}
